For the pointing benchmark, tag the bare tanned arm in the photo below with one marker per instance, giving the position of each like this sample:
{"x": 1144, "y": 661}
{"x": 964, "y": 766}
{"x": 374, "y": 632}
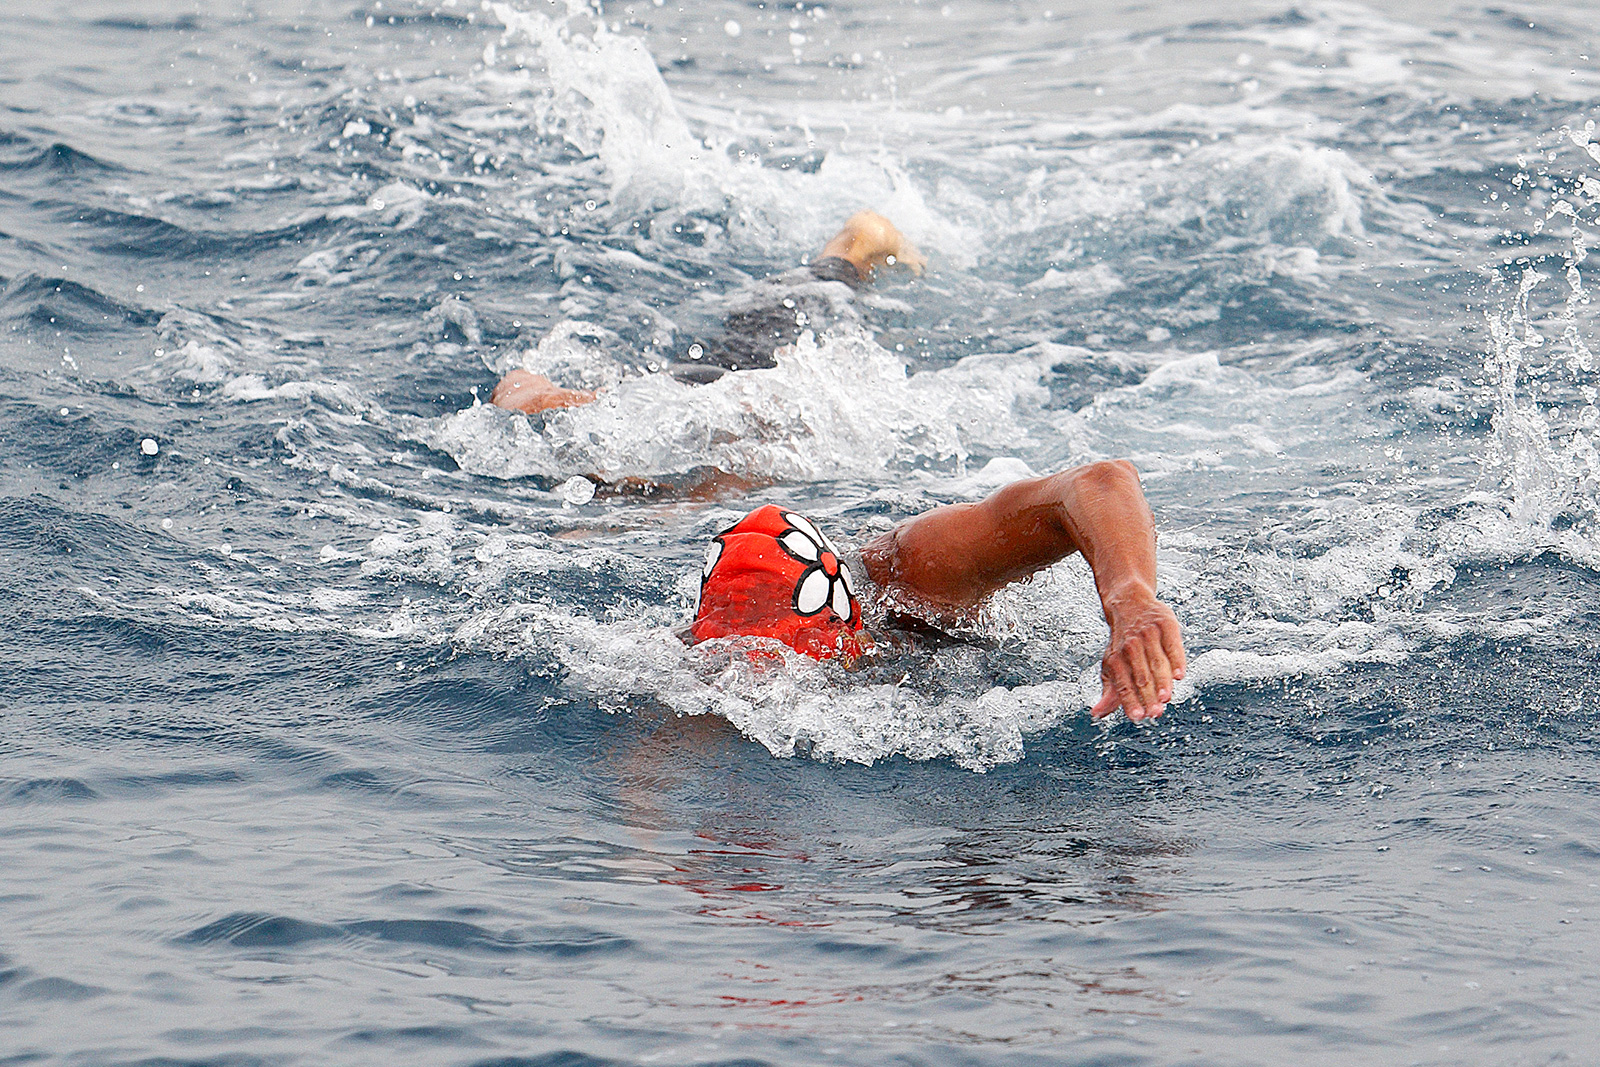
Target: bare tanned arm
{"x": 530, "y": 393}
{"x": 955, "y": 556}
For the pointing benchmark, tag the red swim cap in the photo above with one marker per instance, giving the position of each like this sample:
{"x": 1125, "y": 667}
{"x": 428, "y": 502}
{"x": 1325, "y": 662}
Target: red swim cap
{"x": 774, "y": 574}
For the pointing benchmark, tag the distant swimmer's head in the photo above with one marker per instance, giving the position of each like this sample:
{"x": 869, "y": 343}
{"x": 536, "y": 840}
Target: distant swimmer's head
{"x": 870, "y": 242}
{"x": 774, "y": 574}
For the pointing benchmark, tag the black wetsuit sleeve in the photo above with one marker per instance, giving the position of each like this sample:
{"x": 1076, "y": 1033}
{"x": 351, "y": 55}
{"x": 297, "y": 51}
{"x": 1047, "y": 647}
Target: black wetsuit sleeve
{"x": 750, "y": 337}
{"x": 837, "y": 269}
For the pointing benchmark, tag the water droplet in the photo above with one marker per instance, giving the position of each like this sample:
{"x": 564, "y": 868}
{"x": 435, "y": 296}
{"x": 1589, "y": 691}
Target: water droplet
{"x": 149, "y": 447}
{"x": 576, "y": 490}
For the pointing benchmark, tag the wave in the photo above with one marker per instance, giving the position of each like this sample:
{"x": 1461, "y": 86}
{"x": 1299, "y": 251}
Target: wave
{"x": 58, "y": 158}
{"x": 60, "y": 304}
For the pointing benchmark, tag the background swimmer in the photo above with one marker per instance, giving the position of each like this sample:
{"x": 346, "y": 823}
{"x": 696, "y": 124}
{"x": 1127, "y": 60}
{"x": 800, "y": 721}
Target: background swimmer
{"x": 774, "y": 313}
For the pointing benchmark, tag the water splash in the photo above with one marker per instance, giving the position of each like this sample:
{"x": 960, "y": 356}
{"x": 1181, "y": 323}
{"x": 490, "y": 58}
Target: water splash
{"x": 629, "y": 121}
{"x": 836, "y": 407}
{"x": 603, "y": 95}
{"x": 1546, "y": 451}
{"x": 790, "y": 704}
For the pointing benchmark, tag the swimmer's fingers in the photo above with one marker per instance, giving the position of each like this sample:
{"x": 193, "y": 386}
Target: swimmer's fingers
{"x": 1142, "y": 668}
{"x": 1153, "y": 669}
{"x": 1106, "y": 704}
{"x": 1116, "y": 674}
{"x": 1172, "y": 645}
{"x": 1141, "y": 662}
{"x": 1160, "y": 675}
{"x": 1155, "y": 644}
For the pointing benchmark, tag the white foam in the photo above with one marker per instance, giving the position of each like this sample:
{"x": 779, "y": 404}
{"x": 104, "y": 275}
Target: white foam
{"x": 565, "y": 356}
{"x": 786, "y": 702}
{"x": 631, "y": 121}
{"x": 838, "y": 407}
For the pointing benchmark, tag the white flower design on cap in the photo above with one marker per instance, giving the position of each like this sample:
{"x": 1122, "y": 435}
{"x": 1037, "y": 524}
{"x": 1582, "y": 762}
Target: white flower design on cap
{"x": 826, "y": 582}
{"x": 713, "y": 554}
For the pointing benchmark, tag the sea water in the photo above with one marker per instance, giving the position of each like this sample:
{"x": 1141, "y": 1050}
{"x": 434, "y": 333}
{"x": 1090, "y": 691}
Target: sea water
{"x": 342, "y": 719}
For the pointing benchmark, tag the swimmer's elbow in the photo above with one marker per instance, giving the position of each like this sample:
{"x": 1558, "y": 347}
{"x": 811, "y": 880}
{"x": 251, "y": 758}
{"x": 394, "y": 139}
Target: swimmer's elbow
{"x": 1098, "y": 497}
{"x": 1106, "y": 474}
{"x": 1102, "y": 480}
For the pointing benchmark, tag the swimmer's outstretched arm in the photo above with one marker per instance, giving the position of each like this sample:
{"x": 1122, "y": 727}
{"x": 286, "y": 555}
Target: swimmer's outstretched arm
{"x": 525, "y": 391}
{"x": 868, "y": 242}
{"x": 955, "y": 556}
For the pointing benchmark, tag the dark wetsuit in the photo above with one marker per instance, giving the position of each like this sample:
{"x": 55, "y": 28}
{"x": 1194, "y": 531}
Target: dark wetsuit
{"x": 768, "y": 315}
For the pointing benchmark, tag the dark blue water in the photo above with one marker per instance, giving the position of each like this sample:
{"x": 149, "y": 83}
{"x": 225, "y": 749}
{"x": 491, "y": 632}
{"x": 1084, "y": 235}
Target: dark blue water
{"x": 341, "y": 719}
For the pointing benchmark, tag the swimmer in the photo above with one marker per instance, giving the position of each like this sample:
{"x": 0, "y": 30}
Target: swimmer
{"x": 776, "y": 313}
{"x": 774, "y": 574}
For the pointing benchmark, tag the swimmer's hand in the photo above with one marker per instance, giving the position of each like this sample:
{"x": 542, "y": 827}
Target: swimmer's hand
{"x": 530, "y": 393}
{"x": 1143, "y": 658}
{"x": 870, "y": 242}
